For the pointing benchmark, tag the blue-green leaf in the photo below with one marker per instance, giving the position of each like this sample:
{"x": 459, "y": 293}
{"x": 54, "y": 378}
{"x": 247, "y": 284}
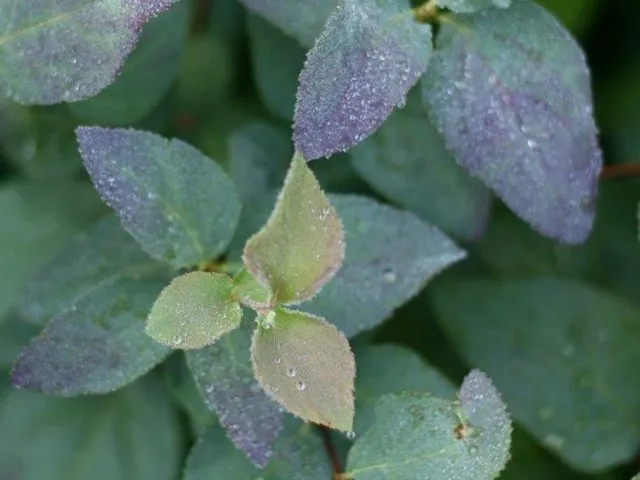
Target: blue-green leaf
{"x": 225, "y": 380}
{"x": 562, "y": 353}
{"x": 510, "y": 91}
{"x": 65, "y": 51}
{"x": 368, "y": 57}
{"x": 178, "y": 204}
{"x": 97, "y": 346}
{"x": 298, "y": 455}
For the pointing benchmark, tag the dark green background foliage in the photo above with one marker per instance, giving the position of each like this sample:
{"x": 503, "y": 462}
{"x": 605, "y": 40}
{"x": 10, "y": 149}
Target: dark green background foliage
{"x": 499, "y": 273}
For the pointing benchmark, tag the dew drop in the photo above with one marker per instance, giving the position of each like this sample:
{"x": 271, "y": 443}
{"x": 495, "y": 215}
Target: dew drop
{"x": 291, "y": 372}
{"x": 389, "y": 276}
{"x": 177, "y": 340}
{"x": 209, "y": 389}
{"x": 532, "y": 143}
{"x": 300, "y": 386}
{"x": 277, "y": 361}
{"x": 351, "y": 435}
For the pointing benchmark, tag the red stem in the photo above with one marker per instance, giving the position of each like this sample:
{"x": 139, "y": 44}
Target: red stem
{"x": 331, "y": 452}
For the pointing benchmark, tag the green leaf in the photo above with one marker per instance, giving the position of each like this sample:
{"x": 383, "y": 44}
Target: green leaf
{"x": 562, "y": 353}
{"x": 420, "y": 436}
{"x": 102, "y": 255}
{"x": 390, "y": 256}
{"x": 194, "y": 311}
{"x": 178, "y": 204}
{"x": 14, "y": 334}
{"x": 299, "y": 455}
{"x": 97, "y": 346}
{"x": 225, "y": 379}
{"x": 306, "y": 364}
{"x": 277, "y": 82}
{"x": 406, "y": 160}
{"x": 384, "y": 369}
{"x": 259, "y": 156}
{"x": 134, "y": 433}
{"x": 510, "y": 91}
{"x": 469, "y": 6}
{"x": 53, "y": 52}
{"x": 303, "y": 21}
{"x": 301, "y": 247}
{"x": 146, "y": 75}
{"x": 247, "y": 289}
{"x": 368, "y": 57}
{"x": 37, "y": 218}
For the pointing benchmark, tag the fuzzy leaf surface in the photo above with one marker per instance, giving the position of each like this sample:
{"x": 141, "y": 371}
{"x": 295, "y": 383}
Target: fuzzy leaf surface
{"x": 368, "y": 57}
{"x": 97, "y": 346}
{"x": 561, "y": 352}
{"x": 420, "y": 436}
{"x": 306, "y": 364}
{"x": 225, "y": 380}
{"x": 302, "y": 245}
{"x": 67, "y": 50}
{"x": 510, "y": 91}
{"x": 194, "y": 311}
{"x": 178, "y": 204}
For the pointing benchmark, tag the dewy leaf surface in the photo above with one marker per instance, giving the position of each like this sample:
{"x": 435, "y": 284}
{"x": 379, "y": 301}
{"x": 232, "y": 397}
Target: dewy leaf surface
{"x": 194, "y": 311}
{"x": 101, "y": 255}
{"x": 225, "y": 380}
{"x": 469, "y": 6}
{"x": 97, "y": 346}
{"x": 298, "y": 455}
{"x": 178, "y": 204}
{"x": 67, "y": 50}
{"x": 562, "y": 353}
{"x": 510, "y": 91}
{"x": 407, "y": 161}
{"x": 306, "y": 365}
{"x": 368, "y": 57}
{"x": 390, "y": 256}
{"x": 302, "y": 245}
{"x": 417, "y": 435}
{"x": 134, "y": 433}
{"x": 303, "y": 21}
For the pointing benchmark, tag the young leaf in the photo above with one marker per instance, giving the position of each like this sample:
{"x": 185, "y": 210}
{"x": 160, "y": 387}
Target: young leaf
{"x": 195, "y": 310}
{"x": 510, "y": 91}
{"x": 406, "y": 160}
{"x": 303, "y": 21}
{"x": 133, "y": 433}
{"x": 53, "y": 52}
{"x": 301, "y": 247}
{"x": 298, "y": 455}
{"x": 178, "y": 204}
{"x": 390, "y": 256}
{"x": 248, "y": 289}
{"x": 224, "y": 377}
{"x": 146, "y": 75}
{"x": 567, "y": 358}
{"x": 420, "y": 436}
{"x": 100, "y": 256}
{"x": 469, "y": 6}
{"x": 306, "y": 364}
{"x": 364, "y": 63}
{"x": 97, "y": 346}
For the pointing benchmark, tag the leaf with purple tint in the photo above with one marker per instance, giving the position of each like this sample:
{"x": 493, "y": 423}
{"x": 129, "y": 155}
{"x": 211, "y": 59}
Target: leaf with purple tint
{"x": 510, "y": 91}
{"x": 302, "y": 20}
{"x": 97, "y": 346}
{"x": 469, "y": 6}
{"x": 178, "y": 204}
{"x": 55, "y": 51}
{"x": 366, "y": 60}
{"x": 225, "y": 379}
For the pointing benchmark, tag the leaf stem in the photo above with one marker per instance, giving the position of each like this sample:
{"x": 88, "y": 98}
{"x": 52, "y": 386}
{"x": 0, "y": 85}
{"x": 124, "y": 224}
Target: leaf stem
{"x": 427, "y": 12}
{"x": 332, "y": 454}
{"x": 610, "y": 172}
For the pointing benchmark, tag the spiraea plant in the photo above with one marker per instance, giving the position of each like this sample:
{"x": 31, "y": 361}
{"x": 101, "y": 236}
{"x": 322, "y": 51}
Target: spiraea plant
{"x": 192, "y": 293}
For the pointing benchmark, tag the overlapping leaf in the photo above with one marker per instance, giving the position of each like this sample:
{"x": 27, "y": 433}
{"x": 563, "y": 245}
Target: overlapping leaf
{"x": 226, "y": 382}
{"x": 97, "y": 346}
{"x": 302, "y": 245}
{"x": 368, "y": 57}
{"x": 178, "y": 204}
{"x": 421, "y": 436}
{"x": 469, "y": 6}
{"x": 64, "y": 51}
{"x": 510, "y": 91}
{"x": 306, "y": 364}
{"x": 194, "y": 311}
{"x": 562, "y": 353}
